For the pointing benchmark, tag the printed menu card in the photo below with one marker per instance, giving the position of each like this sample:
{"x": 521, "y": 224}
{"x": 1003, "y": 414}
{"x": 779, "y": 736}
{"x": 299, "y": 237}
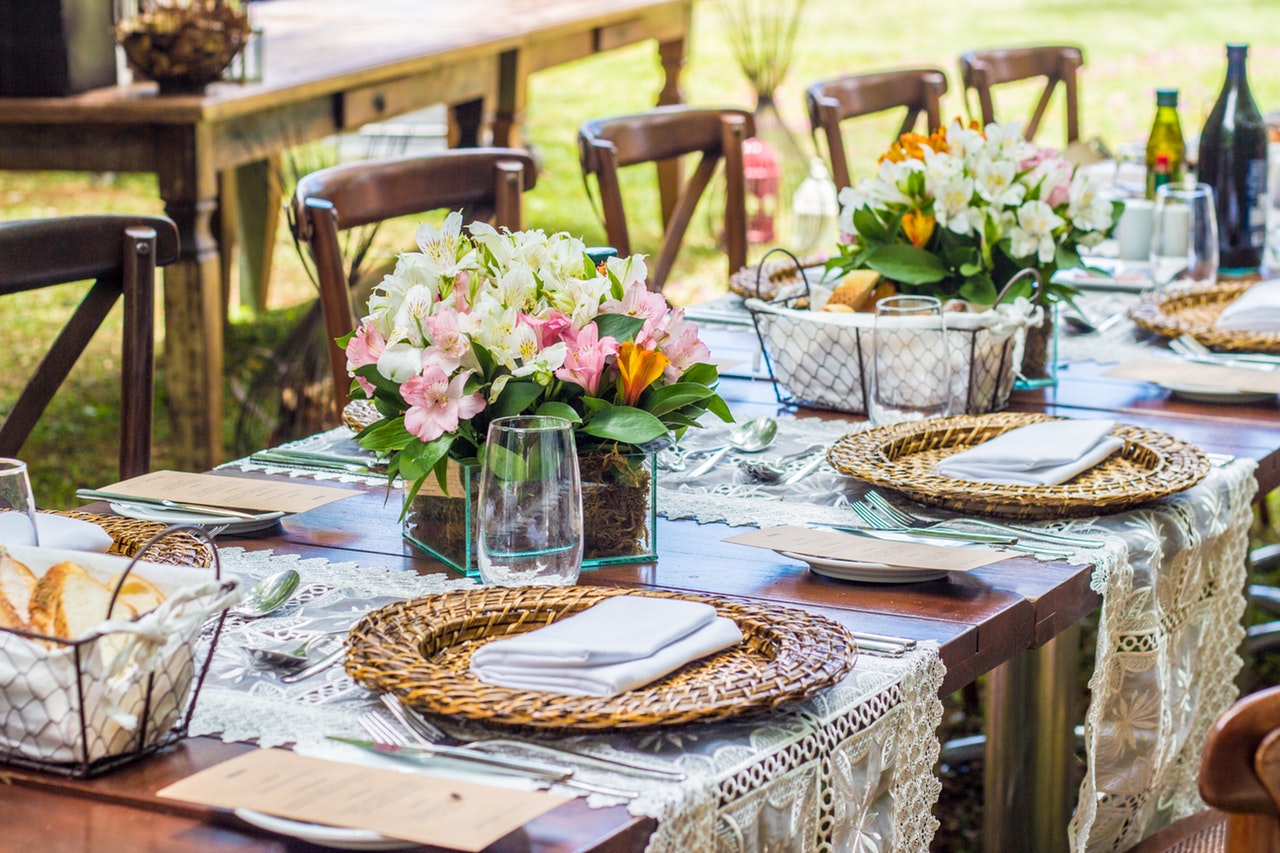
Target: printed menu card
{"x": 412, "y": 806}
{"x": 833, "y": 544}
{"x": 247, "y": 493}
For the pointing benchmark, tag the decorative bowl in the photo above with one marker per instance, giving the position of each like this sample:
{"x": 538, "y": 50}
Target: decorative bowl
{"x": 184, "y": 48}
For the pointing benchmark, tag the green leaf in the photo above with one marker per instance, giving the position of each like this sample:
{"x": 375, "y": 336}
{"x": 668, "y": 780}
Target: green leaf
{"x": 701, "y": 373}
{"x": 718, "y": 407}
{"x": 670, "y": 398}
{"x": 516, "y": 397}
{"x": 594, "y": 404}
{"x": 382, "y": 383}
{"x": 626, "y": 424}
{"x": 386, "y": 436}
{"x": 907, "y": 264}
{"x": 556, "y": 409}
{"x": 980, "y": 289}
{"x": 620, "y": 327}
{"x": 869, "y": 227}
{"x": 417, "y": 460}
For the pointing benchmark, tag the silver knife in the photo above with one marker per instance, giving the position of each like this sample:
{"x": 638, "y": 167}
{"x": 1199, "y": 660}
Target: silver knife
{"x": 707, "y": 464}
{"x": 317, "y": 667}
{"x": 272, "y": 458}
{"x": 197, "y": 509}
{"x": 934, "y": 532}
{"x": 537, "y": 769}
{"x": 809, "y": 468}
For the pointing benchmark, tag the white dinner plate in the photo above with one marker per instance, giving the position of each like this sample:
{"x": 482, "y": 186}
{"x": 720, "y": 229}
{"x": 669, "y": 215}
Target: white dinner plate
{"x": 1222, "y": 396}
{"x": 337, "y": 837}
{"x": 141, "y": 512}
{"x": 853, "y": 570}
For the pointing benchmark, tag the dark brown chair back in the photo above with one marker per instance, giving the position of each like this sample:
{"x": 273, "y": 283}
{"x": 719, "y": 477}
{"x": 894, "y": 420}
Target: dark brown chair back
{"x": 982, "y": 70}
{"x": 608, "y": 144}
{"x": 831, "y": 102}
{"x": 120, "y": 254}
{"x": 486, "y": 183}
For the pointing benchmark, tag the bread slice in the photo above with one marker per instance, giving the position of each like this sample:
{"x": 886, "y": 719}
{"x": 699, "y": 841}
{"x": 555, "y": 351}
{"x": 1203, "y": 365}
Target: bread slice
{"x": 67, "y": 602}
{"x": 138, "y": 592}
{"x": 16, "y": 584}
{"x": 854, "y": 288}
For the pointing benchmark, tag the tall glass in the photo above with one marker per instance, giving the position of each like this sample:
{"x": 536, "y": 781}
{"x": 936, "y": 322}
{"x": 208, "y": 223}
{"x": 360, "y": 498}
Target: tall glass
{"x": 910, "y": 361}
{"x": 17, "y": 506}
{"x": 530, "y": 526}
{"x": 1184, "y": 236}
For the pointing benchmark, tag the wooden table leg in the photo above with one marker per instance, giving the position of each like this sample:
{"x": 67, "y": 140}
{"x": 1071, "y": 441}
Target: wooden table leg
{"x": 1029, "y": 788}
{"x": 193, "y": 305}
{"x": 258, "y": 195}
{"x": 513, "y": 80}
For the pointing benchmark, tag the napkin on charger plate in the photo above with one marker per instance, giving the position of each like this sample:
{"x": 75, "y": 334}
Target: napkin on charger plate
{"x": 1040, "y": 454}
{"x": 1255, "y": 310}
{"x": 55, "y": 531}
{"x": 614, "y": 646}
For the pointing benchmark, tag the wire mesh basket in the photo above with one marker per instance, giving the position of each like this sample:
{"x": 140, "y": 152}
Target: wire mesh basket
{"x": 822, "y": 360}
{"x": 120, "y": 691}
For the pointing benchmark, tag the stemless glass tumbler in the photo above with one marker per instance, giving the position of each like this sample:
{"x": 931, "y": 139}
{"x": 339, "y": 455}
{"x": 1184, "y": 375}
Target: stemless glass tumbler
{"x": 530, "y": 504}
{"x": 17, "y": 506}
{"x": 910, "y": 361}
{"x": 1184, "y": 236}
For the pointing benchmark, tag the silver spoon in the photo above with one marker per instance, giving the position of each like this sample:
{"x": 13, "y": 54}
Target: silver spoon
{"x": 751, "y": 437}
{"x": 268, "y": 594}
{"x": 293, "y": 654}
{"x": 766, "y": 471}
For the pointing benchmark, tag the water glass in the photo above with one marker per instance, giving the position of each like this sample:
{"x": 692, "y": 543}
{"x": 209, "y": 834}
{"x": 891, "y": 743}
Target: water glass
{"x": 17, "y": 506}
{"x": 1184, "y": 236}
{"x": 910, "y": 361}
{"x": 530, "y": 527}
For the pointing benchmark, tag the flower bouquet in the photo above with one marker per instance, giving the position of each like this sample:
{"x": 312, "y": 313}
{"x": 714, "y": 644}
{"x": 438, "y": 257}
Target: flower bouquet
{"x": 488, "y": 324}
{"x": 958, "y": 213}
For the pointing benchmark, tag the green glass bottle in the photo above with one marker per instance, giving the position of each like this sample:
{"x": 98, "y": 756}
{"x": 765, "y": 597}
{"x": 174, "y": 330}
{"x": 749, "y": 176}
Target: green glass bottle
{"x": 1233, "y": 160}
{"x": 1166, "y": 149}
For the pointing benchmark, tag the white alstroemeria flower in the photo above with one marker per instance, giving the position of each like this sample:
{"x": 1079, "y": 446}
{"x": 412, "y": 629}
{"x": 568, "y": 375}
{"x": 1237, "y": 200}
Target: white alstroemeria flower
{"x": 494, "y": 328}
{"x": 517, "y": 288}
{"x": 564, "y": 258}
{"x": 417, "y": 306}
{"x": 942, "y": 167}
{"x": 1005, "y": 142}
{"x": 579, "y": 299}
{"x": 628, "y": 270}
{"x": 1085, "y": 209}
{"x": 399, "y": 361}
{"x": 443, "y": 249}
{"x": 1033, "y": 234}
{"x": 995, "y": 183}
{"x": 541, "y": 365}
{"x": 952, "y": 208}
{"x": 964, "y": 143}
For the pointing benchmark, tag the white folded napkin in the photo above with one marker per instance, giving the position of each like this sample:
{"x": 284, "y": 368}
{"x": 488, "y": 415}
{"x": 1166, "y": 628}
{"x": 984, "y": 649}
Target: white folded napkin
{"x": 1255, "y": 310}
{"x": 619, "y": 644}
{"x": 55, "y": 531}
{"x": 1041, "y": 454}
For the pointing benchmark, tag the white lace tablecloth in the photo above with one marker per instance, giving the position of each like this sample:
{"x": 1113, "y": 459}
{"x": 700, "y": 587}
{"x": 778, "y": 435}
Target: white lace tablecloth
{"x": 1171, "y": 577}
{"x": 851, "y": 769}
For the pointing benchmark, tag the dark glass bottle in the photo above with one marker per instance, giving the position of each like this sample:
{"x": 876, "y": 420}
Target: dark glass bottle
{"x": 1233, "y": 160}
{"x": 1166, "y": 150}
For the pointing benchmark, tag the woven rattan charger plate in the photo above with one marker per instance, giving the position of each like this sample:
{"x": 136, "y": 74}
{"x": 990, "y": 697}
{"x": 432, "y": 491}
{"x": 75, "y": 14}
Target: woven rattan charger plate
{"x": 1193, "y": 311}
{"x": 128, "y": 535}
{"x": 902, "y": 457}
{"x": 772, "y": 279}
{"x": 420, "y": 650}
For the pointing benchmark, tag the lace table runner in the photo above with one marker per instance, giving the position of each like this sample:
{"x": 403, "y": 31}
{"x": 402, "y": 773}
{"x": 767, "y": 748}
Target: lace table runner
{"x": 1171, "y": 577}
{"x": 851, "y": 769}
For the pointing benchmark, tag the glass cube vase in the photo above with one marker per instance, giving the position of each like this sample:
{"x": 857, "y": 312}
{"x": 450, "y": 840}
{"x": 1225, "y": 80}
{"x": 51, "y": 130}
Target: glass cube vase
{"x": 619, "y": 512}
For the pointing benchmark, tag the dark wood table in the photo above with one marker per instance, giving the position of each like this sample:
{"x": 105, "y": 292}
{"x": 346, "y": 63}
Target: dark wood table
{"x": 1015, "y": 617}
{"x": 330, "y": 67}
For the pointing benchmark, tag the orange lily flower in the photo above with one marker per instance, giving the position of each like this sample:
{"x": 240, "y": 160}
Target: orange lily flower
{"x": 918, "y": 227}
{"x": 638, "y": 368}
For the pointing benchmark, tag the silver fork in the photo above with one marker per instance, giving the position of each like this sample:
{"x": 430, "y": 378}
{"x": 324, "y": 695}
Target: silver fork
{"x": 881, "y": 524}
{"x": 423, "y": 730}
{"x": 541, "y": 774}
{"x": 898, "y": 516}
{"x": 880, "y": 521}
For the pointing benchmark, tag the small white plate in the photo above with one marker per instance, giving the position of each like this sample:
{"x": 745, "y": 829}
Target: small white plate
{"x": 175, "y": 516}
{"x": 1221, "y": 396}
{"x": 852, "y": 570}
{"x": 337, "y": 837}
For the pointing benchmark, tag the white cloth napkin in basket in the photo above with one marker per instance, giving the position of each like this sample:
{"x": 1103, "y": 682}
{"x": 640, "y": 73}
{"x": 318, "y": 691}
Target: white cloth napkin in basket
{"x": 1255, "y": 310}
{"x": 55, "y": 531}
{"x": 614, "y": 646}
{"x": 1041, "y": 454}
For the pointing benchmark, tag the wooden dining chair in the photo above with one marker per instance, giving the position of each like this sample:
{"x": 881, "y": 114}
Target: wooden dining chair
{"x": 831, "y": 102}
{"x": 983, "y": 70}
{"x": 119, "y": 253}
{"x": 486, "y": 183}
{"x": 1239, "y": 780}
{"x": 606, "y": 145}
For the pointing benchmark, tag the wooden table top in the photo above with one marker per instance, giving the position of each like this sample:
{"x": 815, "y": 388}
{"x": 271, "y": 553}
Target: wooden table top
{"x": 980, "y": 620}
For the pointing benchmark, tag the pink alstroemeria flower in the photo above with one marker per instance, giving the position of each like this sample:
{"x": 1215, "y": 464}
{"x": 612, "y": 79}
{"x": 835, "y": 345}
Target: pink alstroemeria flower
{"x": 679, "y": 342}
{"x": 585, "y": 361}
{"x": 364, "y": 349}
{"x": 638, "y": 301}
{"x": 446, "y": 333}
{"x": 548, "y": 330}
{"x": 437, "y": 404}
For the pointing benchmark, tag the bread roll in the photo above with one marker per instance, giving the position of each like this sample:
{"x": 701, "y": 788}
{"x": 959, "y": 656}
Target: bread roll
{"x": 138, "y": 592}
{"x": 854, "y": 288}
{"x": 68, "y": 602}
{"x": 16, "y": 584}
